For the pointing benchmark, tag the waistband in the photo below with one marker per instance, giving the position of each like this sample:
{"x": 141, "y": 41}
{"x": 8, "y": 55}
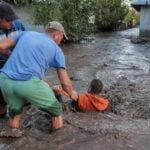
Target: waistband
{"x": 4, "y": 75}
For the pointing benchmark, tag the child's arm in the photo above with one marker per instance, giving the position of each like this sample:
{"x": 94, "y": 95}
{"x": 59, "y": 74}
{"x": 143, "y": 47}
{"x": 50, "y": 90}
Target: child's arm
{"x": 55, "y": 88}
{"x": 48, "y": 82}
{"x": 58, "y": 89}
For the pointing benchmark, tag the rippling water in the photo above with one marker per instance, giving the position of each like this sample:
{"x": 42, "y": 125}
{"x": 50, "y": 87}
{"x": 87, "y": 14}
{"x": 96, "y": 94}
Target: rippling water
{"x": 124, "y": 68}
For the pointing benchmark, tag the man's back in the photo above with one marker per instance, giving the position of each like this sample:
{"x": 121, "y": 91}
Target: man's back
{"x": 32, "y": 56}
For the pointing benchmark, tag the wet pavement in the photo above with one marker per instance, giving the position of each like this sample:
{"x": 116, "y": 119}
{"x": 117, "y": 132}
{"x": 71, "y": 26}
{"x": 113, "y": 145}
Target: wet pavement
{"x": 122, "y": 62}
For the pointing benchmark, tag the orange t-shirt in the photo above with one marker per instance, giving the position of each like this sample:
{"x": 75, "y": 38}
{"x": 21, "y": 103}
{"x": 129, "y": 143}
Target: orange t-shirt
{"x": 91, "y": 102}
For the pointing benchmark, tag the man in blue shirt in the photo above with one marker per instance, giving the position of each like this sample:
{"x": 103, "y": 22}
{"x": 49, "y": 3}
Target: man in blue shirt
{"x": 9, "y": 26}
{"x": 21, "y": 77}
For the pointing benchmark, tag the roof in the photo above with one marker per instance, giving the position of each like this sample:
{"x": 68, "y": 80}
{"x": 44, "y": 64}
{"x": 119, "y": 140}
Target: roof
{"x": 137, "y": 4}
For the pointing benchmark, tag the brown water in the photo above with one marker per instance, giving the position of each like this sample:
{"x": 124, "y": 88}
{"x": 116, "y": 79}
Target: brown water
{"x": 124, "y": 68}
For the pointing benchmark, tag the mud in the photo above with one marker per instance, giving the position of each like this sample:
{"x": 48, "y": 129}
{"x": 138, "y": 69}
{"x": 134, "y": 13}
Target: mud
{"x": 122, "y": 62}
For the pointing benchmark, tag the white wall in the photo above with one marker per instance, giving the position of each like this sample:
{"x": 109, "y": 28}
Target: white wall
{"x": 145, "y": 21}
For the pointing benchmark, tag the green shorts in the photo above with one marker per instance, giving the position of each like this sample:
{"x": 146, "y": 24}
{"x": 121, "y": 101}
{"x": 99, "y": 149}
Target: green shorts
{"x": 34, "y": 91}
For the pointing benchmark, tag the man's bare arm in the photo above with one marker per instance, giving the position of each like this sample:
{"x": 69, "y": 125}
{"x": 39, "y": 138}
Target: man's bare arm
{"x": 65, "y": 82}
{"x": 5, "y": 44}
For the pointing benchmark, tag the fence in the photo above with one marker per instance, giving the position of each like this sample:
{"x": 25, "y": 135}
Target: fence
{"x": 38, "y": 28}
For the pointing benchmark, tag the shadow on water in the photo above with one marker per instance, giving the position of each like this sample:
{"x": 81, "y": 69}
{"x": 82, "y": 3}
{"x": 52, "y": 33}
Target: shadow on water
{"x": 124, "y": 68}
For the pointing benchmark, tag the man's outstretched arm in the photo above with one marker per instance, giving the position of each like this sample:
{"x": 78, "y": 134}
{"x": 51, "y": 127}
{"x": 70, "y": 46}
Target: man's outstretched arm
{"x": 5, "y": 44}
{"x": 66, "y": 83}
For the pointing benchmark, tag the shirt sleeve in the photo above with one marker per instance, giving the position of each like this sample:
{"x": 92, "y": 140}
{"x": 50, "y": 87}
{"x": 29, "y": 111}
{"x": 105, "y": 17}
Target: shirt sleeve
{"x": 17, "y": 37}
{"x": 59, "y": 59}
{"x": 19, "y": 25}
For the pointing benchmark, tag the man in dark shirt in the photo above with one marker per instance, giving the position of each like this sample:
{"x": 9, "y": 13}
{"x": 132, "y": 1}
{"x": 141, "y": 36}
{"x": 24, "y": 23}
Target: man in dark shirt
{"x": 9, "y": 26}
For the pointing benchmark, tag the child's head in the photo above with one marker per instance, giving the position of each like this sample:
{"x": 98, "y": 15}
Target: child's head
{"x": 95, "y": 86}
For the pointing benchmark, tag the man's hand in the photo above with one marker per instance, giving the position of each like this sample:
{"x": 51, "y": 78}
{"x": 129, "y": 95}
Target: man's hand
{"x": 5, "y": 44}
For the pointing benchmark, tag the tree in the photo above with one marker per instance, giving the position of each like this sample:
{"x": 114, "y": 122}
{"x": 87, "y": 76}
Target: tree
{"x": 19, "y": 2}
{"x": 132, "y": 14}
{"x": 46, "y": 10}
{"x": 76, "y": 16}
{"x": 110, "y": 13}
{"x": 73, "y": 14}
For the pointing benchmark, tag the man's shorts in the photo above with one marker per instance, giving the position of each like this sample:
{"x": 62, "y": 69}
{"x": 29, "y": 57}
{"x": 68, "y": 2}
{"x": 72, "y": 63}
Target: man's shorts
{"x": 35, "y": 91}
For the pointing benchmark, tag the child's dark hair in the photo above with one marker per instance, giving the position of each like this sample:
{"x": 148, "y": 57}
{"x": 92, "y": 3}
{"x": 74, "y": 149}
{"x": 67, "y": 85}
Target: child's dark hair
{"x": 96, "y": 86}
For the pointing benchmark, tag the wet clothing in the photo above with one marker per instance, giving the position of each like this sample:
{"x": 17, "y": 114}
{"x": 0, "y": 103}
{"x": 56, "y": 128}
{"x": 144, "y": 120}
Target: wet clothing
{"x": 32, "y": 56}
{"x": 35, "y": 91}
{"x": 92, "y": 102}
{"x": 16, "y": 28}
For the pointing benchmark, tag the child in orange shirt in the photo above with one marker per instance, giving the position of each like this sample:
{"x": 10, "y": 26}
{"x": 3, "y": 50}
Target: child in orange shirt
{"x": 89, "y": 101}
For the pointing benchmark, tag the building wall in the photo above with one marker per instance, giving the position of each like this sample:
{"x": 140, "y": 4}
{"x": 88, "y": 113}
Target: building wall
{"x": 145, "y": 21}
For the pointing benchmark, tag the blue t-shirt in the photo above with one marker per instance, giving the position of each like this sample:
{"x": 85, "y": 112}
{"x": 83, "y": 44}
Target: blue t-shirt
{"x": 16, "y": 28}
{"x": 33, "y": 54}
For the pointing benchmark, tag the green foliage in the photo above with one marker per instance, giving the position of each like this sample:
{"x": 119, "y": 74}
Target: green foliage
{"x": 72, "y": 13}
{"x": 110, "y": 13}
{"x": 18, "y": 2}
{"x": 132, "y": 14}
{"x": 75, "y": 17}
{"x": 46, "y": 11}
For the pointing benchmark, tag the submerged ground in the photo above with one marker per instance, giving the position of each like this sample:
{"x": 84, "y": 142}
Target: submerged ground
{"x": 122, "y": 62}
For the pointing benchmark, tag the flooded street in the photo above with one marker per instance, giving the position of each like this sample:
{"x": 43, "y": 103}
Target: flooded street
{"x": 124, "y": 68}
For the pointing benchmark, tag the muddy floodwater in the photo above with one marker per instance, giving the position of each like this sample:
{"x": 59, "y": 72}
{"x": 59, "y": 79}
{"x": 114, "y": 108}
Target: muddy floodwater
{"x": 122, "y": 62}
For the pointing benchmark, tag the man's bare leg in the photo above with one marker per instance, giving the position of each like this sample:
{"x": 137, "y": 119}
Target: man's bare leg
{"x": 57, "y": 122}
{"x": 14, "y": 122}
